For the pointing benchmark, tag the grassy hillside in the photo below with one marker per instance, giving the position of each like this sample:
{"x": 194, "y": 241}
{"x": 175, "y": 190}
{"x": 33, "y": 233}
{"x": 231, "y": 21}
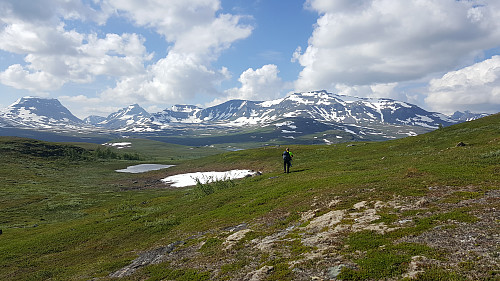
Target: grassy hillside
{"x": 151, "y": 150}
{"x": 418, "y": 207}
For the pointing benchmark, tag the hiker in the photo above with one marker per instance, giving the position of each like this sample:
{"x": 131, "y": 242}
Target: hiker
{"x": 287, "y": 160}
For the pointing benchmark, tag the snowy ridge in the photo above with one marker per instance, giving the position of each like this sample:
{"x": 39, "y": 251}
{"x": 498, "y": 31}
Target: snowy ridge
{"x": 39, "y": 113}
{"x": 328, "y": 111}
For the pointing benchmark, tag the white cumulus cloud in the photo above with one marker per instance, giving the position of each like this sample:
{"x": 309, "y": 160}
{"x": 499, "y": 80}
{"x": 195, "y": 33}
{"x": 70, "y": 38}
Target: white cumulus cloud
{"x": 54, "y": 55}
{"x": 259, "y": 84}
{"x": 198, "y": 35}
{"x": 175, "y": 78}
{"x": 475, "y": 88}
{"x": 366, "y": 42}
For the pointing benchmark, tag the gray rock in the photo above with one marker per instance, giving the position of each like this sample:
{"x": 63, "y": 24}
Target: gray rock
{"x": 334, "y": 271}
{"x": 150, "y": 257}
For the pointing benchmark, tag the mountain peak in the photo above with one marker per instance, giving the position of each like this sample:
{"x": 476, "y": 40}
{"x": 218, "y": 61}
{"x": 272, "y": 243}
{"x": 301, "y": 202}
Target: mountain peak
{"x": 184, "y": 108}
{"x": 39, "y": 112}
{"x": 467, "y": 115}
{"x": 31, "y": 100}
{"x": 130, "y": 110}
{"x": 353, "y": 115}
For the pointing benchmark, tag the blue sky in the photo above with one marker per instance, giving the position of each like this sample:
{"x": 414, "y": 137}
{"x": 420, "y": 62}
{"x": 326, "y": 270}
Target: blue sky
{"x": 97, "y": 56}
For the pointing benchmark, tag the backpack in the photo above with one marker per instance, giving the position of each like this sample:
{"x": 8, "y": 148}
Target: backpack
{"x": 286, "y": 156}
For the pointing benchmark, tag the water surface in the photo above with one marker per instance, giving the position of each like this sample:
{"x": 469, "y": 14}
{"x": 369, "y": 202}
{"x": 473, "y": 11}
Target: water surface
{"x": 143, "y": 168}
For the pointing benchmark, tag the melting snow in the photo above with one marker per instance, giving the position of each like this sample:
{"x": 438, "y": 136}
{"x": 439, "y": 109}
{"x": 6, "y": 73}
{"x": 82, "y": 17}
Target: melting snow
{"x": 299, "y": 99}
{"x": 286, "y": 123}
{"x": 349, "y": 131}
{"x": 189, "y": 179}
{"x": 271, "y": 103}
{"x": 118, "y": 145}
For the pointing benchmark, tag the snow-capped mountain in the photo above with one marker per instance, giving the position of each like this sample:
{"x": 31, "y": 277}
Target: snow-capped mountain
{"x": 177, "y": 113}
{"x": 321, "y": 106}
{"x": 126, "y": 118}
{"x": 316, "y": 116}
{"x": 94, "y": 120}
{"x": 467, "y": 116}
{"x": 39, "y": 113}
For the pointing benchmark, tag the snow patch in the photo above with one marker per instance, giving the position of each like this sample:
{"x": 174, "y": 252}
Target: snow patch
{"x": 118, "y": 145}
{"x": 270, "y": 103}
{"x": 190, "y": 179}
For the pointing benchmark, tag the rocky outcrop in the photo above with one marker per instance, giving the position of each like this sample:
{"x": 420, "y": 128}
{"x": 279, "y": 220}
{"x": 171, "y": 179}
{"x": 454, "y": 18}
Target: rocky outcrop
{"x": 150, "y": 257}
{"x": 316, "y": 246}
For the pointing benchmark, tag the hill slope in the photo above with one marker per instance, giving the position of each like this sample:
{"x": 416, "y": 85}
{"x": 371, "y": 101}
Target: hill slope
{"x": 419, "y": 206}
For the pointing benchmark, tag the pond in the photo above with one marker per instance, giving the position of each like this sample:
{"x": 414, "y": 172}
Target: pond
{"x": 143, "y": 168}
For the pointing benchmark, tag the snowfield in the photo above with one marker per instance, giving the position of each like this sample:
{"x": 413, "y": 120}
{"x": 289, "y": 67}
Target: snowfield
{"x": 118, "y": 145}
{"x": 189, "y": 179}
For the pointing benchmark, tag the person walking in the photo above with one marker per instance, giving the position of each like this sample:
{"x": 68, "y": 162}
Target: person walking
{"x": 287, "y": 160}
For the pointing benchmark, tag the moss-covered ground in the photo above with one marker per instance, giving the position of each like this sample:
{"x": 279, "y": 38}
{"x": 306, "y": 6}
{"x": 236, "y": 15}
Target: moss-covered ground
{"x": 65, "y": 214}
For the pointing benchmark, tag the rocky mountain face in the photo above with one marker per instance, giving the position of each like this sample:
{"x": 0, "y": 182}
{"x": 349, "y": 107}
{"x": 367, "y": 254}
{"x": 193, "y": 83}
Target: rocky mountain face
{"x": 177, "y": 114}
{"x": 126, "y": 118}
{"x": 467, "y": 116}
{"x": 298, "y": 113}
{"x": 94, "y": 120}
{"x": 320, "y": 106}
{"x": 32, "y": 112}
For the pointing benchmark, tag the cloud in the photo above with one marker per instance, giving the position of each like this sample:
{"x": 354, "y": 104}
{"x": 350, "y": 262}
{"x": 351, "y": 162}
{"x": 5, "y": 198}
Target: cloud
{"x": 16, "y": 76}
{"x": 260, "y": 84}
{"x": 367, "y": 42}
{"x": 171, "y": 19}
{"x": 83, "y": 106}
{"x": 30, "y": 38}
{"x": 74, "y": 58}
{"x": 192, "y": 25}
{"x": 46, "y": 11}
{"x": 475, "y": 88}
{"x": 55, "y": 56}
{"x": 175, "y": 78}
{"x": 198, "y": 35}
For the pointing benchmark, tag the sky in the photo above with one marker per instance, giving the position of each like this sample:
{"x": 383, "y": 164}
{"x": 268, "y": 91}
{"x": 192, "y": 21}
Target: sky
{"x": 98, "y": 56}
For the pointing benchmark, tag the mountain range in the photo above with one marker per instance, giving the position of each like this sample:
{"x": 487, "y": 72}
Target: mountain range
{"x": 309, "y": 117}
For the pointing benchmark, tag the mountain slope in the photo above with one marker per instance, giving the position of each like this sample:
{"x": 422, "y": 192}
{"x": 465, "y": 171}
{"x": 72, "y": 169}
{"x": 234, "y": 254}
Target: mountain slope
{"x": 132, "y": 116}
{"x": 419, "y": 206}
{"x": 39, "y": 113}
{"x": 333, "y": 119}
{"x": 321, "y": 106}
{"x": 354, "y": 118}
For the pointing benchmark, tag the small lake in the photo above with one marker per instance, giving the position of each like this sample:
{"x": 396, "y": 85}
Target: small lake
{"x": 143, "y": 168}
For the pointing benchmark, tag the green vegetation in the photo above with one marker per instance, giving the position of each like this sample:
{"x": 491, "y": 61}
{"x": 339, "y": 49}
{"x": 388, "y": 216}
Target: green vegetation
{"x": 156, "y": 151}
{"x": 14, "y": 146}
{"x": 65, "y": 214}
{"x": 160, "y": 272}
